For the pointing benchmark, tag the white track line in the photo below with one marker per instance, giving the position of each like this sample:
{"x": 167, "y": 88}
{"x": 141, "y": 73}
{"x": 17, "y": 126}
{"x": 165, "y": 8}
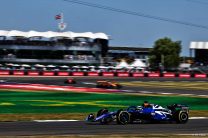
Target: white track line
{"x": 145, "y": 92}
{"x": 201, "y": 81}
{"x": 195, "y": 134}
{"x": 55, "y": 120}
{"x": 197, "y": 118}
{"x": 164, "y": 93}
{"x": 42, "y": 121}
{"x": 128, "y": 90}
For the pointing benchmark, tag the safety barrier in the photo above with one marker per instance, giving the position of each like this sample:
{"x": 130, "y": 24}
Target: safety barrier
{"x": 108, "y": 74}
{"x": 200, "y": 75}
{"x": 20, "y": 73}
{"x": 4, "y": 72}
{"x": 169, "y": 75}
{"x": 153, "y": 75}
{"x": 63, "y": 73}
{"x": 123, "y": 74}
{"x": 105, "y": 74}
{"x": 137, "y": 74}
{"x": 184, "y": 75}
{"x": 92, "y": 74}
{"x": 33, "y": 73}
{"x": 48, "y": 73}
{"x": 77, "y": 73}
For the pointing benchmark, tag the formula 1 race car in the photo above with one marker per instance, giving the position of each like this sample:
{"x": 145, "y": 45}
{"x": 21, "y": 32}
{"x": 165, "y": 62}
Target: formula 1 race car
{"x": 155, "y": 114}
{"x": 108, "y": 84}
{"x": 70, "y": 81}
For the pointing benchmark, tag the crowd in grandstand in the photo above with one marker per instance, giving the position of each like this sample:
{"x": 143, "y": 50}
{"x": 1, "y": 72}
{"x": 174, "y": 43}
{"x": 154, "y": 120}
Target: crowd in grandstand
{"x": 79, "y": 57}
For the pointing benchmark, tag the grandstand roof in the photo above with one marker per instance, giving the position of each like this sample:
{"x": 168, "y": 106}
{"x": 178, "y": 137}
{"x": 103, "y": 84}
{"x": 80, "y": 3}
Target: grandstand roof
{"x": 199, "y": 45}
{"x": 51, "y": 34}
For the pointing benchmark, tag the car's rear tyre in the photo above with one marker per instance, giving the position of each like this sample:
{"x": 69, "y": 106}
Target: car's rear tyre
{"x": 123, "y": 117}
{"x": 119, "y": 86}
{"x": 98, "y": 86}
{"x": 182, "y": 117}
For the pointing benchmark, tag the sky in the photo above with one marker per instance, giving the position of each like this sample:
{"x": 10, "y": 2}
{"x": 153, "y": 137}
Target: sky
{"x": 123, "y": 29}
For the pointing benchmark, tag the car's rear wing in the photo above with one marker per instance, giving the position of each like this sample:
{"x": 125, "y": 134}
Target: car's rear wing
{"x": 177, "y": 107}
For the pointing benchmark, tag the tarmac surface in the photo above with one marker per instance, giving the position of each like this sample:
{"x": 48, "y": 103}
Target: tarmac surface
{"x": 193, "y": 127}
{"x": 91, "y": 82}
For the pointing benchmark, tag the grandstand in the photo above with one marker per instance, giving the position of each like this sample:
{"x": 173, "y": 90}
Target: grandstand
{"x": 52, "y": 47}
{"x": 201, "y": 52}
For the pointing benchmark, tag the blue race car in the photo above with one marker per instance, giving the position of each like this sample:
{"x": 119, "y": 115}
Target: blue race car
{"x": 154, "y": 113}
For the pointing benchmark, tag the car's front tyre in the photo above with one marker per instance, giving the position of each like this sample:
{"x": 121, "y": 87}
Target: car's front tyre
{"x": 123, "y": 117}
{"x": 90, "y": 117}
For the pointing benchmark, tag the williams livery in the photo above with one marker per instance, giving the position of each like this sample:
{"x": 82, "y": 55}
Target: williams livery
{"x": 142, "y": 114}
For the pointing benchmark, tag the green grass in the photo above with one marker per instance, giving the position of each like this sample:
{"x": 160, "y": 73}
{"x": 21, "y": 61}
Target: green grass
{"x": 73, "y": 102}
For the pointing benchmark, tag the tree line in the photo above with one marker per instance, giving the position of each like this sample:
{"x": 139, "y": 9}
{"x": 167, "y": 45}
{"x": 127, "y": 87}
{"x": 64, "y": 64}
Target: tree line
{"x": 165, "y": 54}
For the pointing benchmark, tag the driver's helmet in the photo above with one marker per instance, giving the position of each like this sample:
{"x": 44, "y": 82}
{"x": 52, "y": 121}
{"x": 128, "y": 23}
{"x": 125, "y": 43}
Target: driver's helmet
{"x": 146, "y": 104}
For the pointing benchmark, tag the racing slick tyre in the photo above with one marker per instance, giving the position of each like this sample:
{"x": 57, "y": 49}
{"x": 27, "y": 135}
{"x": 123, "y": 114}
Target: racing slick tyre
{"x": 90, "y": 117}
{"x": 98, "y": 86}
{"x": 119, "y": 86}
{"x": 132, "y": 116}
{"x": 182, "y": 117}
{"x": 123, "y": 117}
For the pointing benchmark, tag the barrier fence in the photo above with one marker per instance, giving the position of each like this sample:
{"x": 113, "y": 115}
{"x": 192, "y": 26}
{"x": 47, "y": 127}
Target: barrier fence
{"x": 105, "y": 74}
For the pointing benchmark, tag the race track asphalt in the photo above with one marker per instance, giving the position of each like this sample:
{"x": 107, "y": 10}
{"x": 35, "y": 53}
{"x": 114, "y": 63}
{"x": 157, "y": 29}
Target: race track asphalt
{"x": 195, "y": 127}
{"x": 81, "y": 128}
{"x": 91, "y": 81}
